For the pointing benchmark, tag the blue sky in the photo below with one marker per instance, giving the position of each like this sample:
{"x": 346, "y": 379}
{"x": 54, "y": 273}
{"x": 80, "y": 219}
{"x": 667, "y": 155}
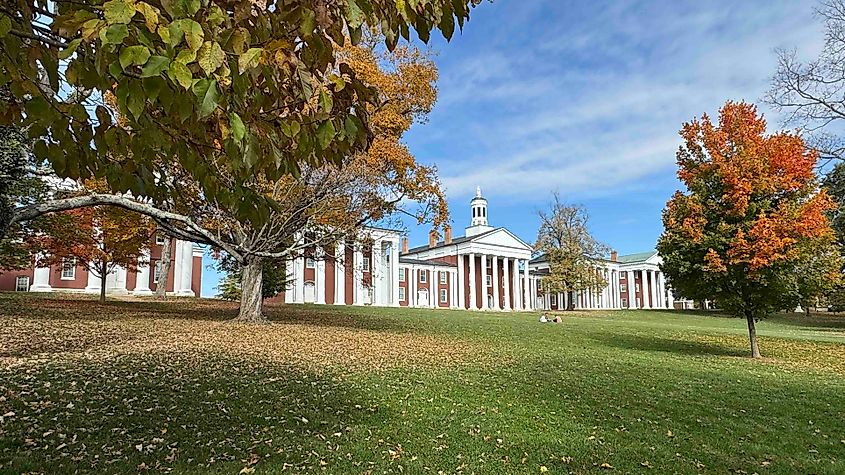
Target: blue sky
{"x": 586, "y": 98}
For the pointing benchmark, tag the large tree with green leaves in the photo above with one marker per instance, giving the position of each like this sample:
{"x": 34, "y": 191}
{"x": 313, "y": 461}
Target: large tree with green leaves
{"x": 225, "y": 88}
{"x": 750, "y": 231}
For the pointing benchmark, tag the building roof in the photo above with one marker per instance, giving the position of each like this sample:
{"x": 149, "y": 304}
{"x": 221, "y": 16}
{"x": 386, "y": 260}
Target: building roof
{"x": 626, "y": 259}
{"x": 638, "y": 257}
{"x": 421, "y": 262}
{"x": 454, "y": 241}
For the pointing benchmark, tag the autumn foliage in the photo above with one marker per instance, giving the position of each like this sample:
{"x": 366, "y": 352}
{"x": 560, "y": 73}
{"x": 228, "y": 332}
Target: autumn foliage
{"x": 751, "y": 217}
{"x": 99, "y": 239}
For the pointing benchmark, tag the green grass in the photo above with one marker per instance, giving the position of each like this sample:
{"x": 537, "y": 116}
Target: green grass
{"x": 137, "y": 386}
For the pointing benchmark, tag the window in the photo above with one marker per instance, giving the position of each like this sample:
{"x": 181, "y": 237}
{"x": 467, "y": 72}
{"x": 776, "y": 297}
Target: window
{"x": 442, "y": 277}
{"x": 366, "y": 264}
{"x": 157, "y": 272}
{"x": 553, "y": 299}
{"x": 444, "y": 296}
{"x": 68, "y": 268}
{"x": 309, "y": 262}
{"x": 623, "y": 288}
{"x": 624, "y": 302}
{"x": 402, "y": 274}
{"x": 637, "y": 287}
{"x": 423, "y": 276}
{"x": 489, "y": 281}
{"x": 21, "y": 283}
{"x": 160, "y": 239}
{"x": 402, "y": 293}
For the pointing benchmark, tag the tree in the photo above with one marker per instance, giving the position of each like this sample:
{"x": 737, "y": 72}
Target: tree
{"x": 572, "y": 252}
{"x": 273, "y": 279}
{"x": 99, "y": 239}
{"x": 813, "y": 92}
{"x": 323, "y": 203}
{"x": 221, "y": 88}
{"x": 164, "y": 272}
{"x": 750, "y": 231}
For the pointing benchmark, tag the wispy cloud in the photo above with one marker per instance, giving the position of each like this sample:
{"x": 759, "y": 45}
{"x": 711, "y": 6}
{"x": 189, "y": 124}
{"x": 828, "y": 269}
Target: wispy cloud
{"x": 589, "y": 98}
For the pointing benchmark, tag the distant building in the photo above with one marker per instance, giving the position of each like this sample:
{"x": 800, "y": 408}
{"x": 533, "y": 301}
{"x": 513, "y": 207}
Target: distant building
{"x": 69, "y": 276}
{"x": 488, "y": 268}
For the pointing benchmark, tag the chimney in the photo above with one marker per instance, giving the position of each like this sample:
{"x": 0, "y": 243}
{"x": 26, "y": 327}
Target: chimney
{"x": 405, "y": 245}
{"x": 614, "y": 256}
{"x": 432, "y": 238}
{"x": 447, "y": 235}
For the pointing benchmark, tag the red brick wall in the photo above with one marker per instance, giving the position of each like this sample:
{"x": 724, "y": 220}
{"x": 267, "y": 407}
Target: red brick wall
{"x": 404, "y": 284}
{"x": 196, "y": 275}
{"x": 349, "y": 271}
{"x": 329, "y": 283}
{"x": 7, "y": 279}
{"x": 79, "y": 281}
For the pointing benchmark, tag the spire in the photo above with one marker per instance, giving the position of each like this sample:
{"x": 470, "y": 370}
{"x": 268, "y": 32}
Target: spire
{"x": 478, "y": 192}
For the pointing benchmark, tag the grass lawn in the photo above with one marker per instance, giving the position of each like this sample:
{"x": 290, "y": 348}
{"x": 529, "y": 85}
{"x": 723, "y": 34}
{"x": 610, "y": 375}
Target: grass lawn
{"x": 168, "y": 387}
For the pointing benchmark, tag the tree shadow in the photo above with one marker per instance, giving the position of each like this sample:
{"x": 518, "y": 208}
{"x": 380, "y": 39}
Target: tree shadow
{"x": 667, "y": 345}
{"x": 186, "y": 412}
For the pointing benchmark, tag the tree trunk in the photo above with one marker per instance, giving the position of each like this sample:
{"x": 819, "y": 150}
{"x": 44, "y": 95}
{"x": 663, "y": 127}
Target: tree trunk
{"x": 252, "y": 301}
{"x": 752, "y": 336}
{"x": 103, "y": 274}
{"x": 807, "y": 310}
{"x": 164, "y": 272}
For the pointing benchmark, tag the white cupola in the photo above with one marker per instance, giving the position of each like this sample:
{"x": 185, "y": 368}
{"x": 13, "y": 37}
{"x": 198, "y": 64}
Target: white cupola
{"x": 478, "y": 206}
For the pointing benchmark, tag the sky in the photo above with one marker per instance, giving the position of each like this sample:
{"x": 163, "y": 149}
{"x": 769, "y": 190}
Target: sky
{"x": 586, "y": 99}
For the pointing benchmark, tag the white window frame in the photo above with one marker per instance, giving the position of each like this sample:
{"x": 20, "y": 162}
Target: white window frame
{"x": 366, "y": 264}
{"x": 159, "y": 239}
{"x": 157, "y": 272}
{"x": 402, "y": 293}
{"x": 310, "y": 263}
{"x": 65, "y": 268}
{"x": 553, "y": 299}
{"x": 423, "y": 276}
{"x": 489, "y": 280}
{"x": 25, "y": 280}
{"x": 444, "y": 296}
{"x": 623, "y": 287}
{"x": 402, "y": 275}
{"x": 442, "y": 275}
{"x": 638, "y": 287}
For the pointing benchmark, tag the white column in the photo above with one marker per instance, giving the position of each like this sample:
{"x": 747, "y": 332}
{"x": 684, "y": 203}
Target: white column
{"x": 357, "y": 275}
{"x": 662, "y": 290}
{"x": 319, "y": 276}
{"x": 484, "y": 295}
{"x": 340, "y": 274}
{"x": 515, "y": 293}
{"x": 473, "y": 300}
{"x": 460, "y": 282}
{"x": 506, "y": 284}
{"x": 394, "y": 273}
{"x": 496, "y": 282}
{"x": 526, "y": 288}
{"x": 453, "y": 289}
{"x": 290, "y": 281}
{"x": 142, "y": 275}
{"x": 116, "y": 281}
{"x": 646, "y": 289}
{"x": 186, "y": 268}
{"x": 433, "y": 288}
{"x": 377, "y": 272}
{"x": 412, "y": 285}
{"x": 299, "y": 279}
{"x": 41, "y": 280}
{"x": 617, "y": 293}
{"x": 671, "y": 300}
{"x": 93, "y": 286}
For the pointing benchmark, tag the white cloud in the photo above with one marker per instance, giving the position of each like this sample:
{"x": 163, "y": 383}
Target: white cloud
{"x": 593, "y": 105}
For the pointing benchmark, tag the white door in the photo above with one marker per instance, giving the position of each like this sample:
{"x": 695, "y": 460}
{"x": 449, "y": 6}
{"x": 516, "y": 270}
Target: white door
{"x": 422, "y": 298}
{"x": 309, "y": 292}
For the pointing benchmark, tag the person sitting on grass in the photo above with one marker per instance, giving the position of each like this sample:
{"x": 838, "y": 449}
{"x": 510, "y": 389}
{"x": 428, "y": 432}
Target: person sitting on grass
{"x": 557, "y": 319}
{"x": 544, "y": 318}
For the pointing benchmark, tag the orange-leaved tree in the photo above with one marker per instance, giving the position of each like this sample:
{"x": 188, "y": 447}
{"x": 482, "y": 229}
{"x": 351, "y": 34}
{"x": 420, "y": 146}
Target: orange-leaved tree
{"x": 751, "y": 220}
{"x": 100, "y": 239}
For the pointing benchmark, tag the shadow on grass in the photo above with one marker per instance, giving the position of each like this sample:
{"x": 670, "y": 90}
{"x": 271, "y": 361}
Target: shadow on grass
{"x": 190, "y": 412}
{"x": 667, "y": 345}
